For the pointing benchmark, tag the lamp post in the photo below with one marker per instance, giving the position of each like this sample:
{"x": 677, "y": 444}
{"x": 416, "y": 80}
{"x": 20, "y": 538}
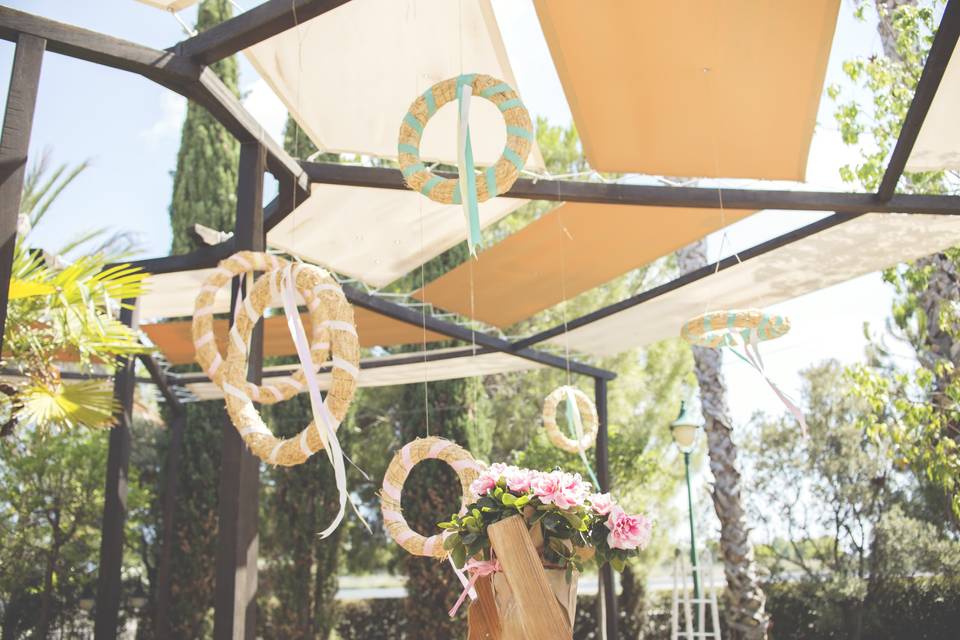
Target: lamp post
{"x": 684, "y": 431}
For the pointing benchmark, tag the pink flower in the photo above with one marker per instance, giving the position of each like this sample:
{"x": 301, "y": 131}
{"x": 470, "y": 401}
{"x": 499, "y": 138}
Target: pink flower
{"x": 482, "y": 485}
{"x": 602, "y": 503}
{"x": 520, "y": 480}
{"x": 564, "y": 490}
{"x": 626, "y": 531}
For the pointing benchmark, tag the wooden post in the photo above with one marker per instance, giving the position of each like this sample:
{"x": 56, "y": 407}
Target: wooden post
{"x": 607, "y": 586}
{"x": 14, "y": 143}
{"x": 109, "y": 587}
{"x": 483, "y": 620}
{"x": 543, "y": 616}
{"x": 235, "y": 607}
{"x": 162, "y": 620}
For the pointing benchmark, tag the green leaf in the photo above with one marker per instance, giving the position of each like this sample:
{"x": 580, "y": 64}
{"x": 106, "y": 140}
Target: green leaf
{"x": 451, "y": 541}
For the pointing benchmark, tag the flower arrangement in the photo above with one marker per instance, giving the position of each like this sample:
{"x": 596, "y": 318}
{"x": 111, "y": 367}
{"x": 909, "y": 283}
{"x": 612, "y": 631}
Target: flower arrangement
{"x": 574, "y": 522}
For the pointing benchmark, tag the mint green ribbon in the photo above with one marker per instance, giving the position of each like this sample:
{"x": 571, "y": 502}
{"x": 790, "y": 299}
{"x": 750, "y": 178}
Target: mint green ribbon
{"x": 575, "y": 427}
{"x": 466, "y": 168}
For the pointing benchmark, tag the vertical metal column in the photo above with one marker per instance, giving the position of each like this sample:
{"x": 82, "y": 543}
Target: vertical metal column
{"x": 162, "y": 620}
{"x": 235, "y": 607}
{"x": 603, "y": 475}
{"x": 14, "y": 143}
{"x": 109, "y": 587}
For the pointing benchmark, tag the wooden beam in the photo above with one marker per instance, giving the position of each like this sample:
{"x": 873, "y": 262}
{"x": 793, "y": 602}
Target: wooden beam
{"x": 162, "y": 626}
{"x": 109, "y": 577}
{"x": 175, "y": 72}
{"x": 159, "y": 378}
{"x": 14, "y": 144}
{"x": 941, "y": 50}
{"x": 411, "y": 316}
{"x": 607, "y": 585}
{"x": 660, "y": 196}
{"x": 249, "y": 28}
{"x": 235, "y": 606}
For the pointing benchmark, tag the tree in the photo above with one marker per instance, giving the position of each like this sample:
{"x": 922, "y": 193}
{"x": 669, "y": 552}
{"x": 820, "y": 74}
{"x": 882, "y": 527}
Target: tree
{"x": 745, "y": 599}
{"x": 915, "y": 413}
{"x": 204, "y": 191}
{"x": 836, "y": 509}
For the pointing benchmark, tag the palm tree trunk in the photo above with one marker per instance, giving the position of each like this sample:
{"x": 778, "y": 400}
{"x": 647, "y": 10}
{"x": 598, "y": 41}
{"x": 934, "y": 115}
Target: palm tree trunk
{"x": 746, "y": 616}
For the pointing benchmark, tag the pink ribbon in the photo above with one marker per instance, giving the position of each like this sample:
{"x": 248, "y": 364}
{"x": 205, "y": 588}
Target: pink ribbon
{"x": 477, "y": 569}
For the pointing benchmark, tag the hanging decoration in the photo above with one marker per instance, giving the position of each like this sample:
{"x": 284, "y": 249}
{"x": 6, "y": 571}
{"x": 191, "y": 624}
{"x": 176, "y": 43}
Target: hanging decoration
{"x": 466, "y": 189}
{"x": 334, "y": 334}
{"x": 205, "y": 345}
{"x": 403, "y": 461}
{"x": 582, "y": 423}
{"x": 743, "y": 329}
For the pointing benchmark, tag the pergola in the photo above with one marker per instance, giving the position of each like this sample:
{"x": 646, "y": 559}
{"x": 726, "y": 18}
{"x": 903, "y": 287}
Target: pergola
{"x": 655, "y": 123}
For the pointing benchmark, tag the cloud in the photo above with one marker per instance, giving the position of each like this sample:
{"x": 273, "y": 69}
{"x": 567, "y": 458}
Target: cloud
{"x": 173, "y": 109}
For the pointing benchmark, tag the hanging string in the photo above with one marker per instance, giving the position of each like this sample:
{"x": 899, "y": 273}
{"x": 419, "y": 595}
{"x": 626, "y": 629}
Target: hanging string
{"x": 423, "y": 276}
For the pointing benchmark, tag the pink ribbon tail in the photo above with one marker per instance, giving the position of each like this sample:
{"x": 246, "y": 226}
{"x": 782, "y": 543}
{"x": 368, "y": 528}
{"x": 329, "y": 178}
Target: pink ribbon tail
{"x": 477, "y": 569}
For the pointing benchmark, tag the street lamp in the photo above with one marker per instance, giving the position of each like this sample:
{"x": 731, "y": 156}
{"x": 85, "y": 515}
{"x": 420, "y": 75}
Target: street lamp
{"x": 684, "y": 431}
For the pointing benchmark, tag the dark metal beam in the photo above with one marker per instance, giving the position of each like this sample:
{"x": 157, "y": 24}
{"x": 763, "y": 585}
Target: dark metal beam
{"x": 251, "y": 27}
{"x": 235, "y": 606}
{"x": 607, "y": 585}
{"x": 941, "y": 50}
{"x": 159, "y": 378}
{"x": 661, "y": 196}
{"x": 14, "y": 143}
{"x": 176, "y": 72}
{"x": 685, "y": 279}
{"x": 109, "y": 578}
{"x": 162, "y": 626}
{"x": 202, "y": 258}
{"x": 411, "y": 316}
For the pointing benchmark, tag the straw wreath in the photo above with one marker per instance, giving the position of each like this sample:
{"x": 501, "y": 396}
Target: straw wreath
{"x": 719, "y": 328}
{"x": 496, "y": 179}
{"x": 337, "y": 317}
{"x": 205, "y": 345}
{"x": 588, "y": 416}
{"x": 403, "y": 461}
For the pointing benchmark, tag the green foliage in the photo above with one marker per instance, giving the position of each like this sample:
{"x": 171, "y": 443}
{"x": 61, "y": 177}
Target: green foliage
{"x": 51, "y": 504}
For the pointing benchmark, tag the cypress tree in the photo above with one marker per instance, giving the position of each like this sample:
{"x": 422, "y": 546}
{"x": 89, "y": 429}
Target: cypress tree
{"x": 204, "y": 191}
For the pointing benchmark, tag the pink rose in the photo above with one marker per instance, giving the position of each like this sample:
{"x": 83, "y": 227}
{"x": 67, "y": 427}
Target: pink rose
{"x": 602, "y": 503}
{"x": 564, "y": 490}
{"x": 482, "y": 485}
{"x": 520, "y": 480}
{"x": 626, "y": 531}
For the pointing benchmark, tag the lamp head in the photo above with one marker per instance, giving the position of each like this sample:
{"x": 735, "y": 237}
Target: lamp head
{"x": 685, "y": 429}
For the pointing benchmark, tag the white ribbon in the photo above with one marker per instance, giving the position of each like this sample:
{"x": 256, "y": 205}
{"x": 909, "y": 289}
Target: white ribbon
{"x": 321, "y": 414}
{"x": 752, "y": 350}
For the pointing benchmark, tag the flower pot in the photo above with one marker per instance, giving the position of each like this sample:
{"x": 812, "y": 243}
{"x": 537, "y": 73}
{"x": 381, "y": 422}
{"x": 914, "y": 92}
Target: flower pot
{"x": 511, "y": 614}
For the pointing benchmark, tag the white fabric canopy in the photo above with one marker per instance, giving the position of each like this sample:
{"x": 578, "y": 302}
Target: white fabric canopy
{"x": 376, "y": 235}
{"x": 863, "y": 245}
{"x": 466, "y": 366}
{"x": 938, "y": 144}
{"x": 170, "y": 5}
{"x": 348, "y": 76}
{"x": 171, "y": 295}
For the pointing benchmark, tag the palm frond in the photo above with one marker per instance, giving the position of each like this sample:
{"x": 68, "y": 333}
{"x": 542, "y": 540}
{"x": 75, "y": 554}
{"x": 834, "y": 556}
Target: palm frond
{"x": 86, "y": 402}
{"x": 28, "y": 289}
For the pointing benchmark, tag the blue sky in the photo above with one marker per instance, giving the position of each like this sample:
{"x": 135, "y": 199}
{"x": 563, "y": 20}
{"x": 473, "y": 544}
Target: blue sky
{"x": 129, "y": 128}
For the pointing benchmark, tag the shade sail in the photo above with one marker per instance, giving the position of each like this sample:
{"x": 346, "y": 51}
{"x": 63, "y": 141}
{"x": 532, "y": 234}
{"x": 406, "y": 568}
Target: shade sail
{"x": 175, "y": 342}
{"x": 688, "y": 88}
{"x": 349, "y": 76}
{"x": 171, "y": 295}
{"x": 376, "y": 235}
{"x": 374, "y": 374}
{"x": 170, "y": 5}
{"x": 938, "y": 144}
{"x": 863, "y": 245}
{"x": 571, "y": 249}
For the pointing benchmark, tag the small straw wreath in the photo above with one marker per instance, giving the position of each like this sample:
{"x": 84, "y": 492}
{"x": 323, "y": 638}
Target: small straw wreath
{"x": 719, "y": 328}
{"x": 588, "y": 416}
{"x": 496, "y": 179}
{"x": 205, "y": 345}
{"x": 403, "y": 461}
{"x": 337, "y": 316}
